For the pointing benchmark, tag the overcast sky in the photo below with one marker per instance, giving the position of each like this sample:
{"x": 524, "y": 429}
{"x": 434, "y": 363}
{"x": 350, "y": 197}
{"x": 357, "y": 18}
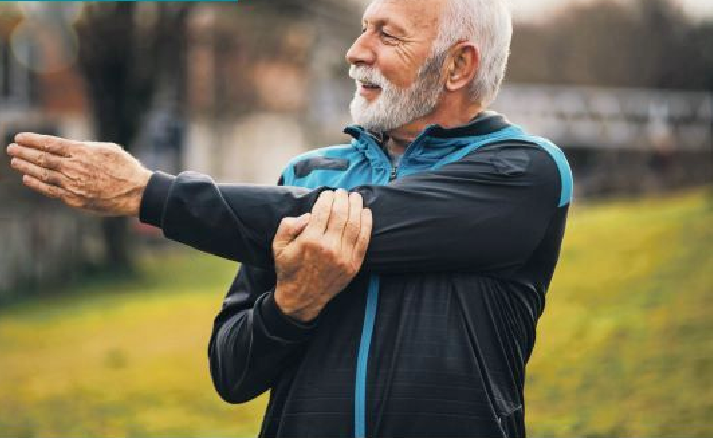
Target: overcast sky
{"x": 534, "y": 9}
{"x": 537, "y": 9}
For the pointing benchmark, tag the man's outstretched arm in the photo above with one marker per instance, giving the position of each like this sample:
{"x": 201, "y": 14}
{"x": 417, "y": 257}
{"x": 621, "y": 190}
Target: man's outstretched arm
{"x": 484, "y": 213}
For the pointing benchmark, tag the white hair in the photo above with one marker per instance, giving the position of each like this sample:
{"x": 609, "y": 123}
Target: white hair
{"x": 488, "y": 24}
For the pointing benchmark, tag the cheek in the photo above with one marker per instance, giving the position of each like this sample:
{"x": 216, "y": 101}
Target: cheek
{"x": 398, "y": 69}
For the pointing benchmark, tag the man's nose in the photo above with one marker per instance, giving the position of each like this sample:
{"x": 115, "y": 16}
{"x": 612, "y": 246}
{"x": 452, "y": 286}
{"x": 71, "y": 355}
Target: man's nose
{"x": 361, "y": 51}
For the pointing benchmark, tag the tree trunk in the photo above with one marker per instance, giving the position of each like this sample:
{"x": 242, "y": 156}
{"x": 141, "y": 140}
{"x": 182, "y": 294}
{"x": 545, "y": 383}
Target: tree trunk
{"x": 119, "y": 241}
{"x": 119, "y": 244}
{"x": 121, "y": 63}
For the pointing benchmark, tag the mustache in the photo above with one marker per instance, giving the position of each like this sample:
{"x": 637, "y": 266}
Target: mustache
{"x": 369, "y": 75}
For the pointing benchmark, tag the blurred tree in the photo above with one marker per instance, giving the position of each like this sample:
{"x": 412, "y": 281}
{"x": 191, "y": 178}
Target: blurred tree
{"x": 127, "y": 51}
{"x": 648, "y": 44}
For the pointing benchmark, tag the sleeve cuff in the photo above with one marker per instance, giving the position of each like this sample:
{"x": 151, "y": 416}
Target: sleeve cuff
{"x": 279, "y": 325}
{"x": 154, "y": 199}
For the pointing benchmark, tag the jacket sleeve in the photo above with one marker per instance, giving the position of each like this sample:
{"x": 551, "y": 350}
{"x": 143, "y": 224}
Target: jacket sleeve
{"x": 252, "y": 340}
{"x": 483, "y": 213}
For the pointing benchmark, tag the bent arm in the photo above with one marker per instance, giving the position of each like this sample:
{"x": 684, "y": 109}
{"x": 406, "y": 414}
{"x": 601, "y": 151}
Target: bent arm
{"x": 486, "y": 212}
{"x": 252, "y": 341}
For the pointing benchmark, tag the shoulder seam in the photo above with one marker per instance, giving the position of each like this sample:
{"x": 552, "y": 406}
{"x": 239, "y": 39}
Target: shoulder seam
{"x": 288, "y": 171}
{"x": 555, "y": 153}
{"x": 566, "y": 179}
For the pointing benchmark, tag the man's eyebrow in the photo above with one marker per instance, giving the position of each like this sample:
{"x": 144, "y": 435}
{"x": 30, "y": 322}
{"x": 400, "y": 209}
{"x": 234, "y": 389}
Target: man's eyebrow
{"x": 385, "y": 22}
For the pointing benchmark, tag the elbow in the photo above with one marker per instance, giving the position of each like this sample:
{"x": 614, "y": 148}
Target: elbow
{"x": 232, "y": 395}
{"x": 235, "y": 393}
{"x": 231, "y": 386}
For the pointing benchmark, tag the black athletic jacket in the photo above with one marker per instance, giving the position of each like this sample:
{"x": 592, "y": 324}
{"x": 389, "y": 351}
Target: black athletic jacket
{"x": 432, "y": 337}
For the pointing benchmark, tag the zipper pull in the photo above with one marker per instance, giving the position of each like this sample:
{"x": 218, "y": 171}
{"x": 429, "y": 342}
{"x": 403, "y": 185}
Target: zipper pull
{"x": 393, "y": 173}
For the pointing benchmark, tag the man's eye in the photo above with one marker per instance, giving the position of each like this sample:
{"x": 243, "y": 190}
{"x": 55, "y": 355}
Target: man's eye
{"x": 386, "y": 35}
{"x": 363, "y": 29}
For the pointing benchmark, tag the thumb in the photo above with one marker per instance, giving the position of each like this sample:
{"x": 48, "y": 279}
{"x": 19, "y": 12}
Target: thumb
{"x": 289, "y": 229}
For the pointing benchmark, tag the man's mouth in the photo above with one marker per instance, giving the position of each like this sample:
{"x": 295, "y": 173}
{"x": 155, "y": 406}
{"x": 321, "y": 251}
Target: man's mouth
{"x": 370, "y": 86}
{"x": 368, "y": 90}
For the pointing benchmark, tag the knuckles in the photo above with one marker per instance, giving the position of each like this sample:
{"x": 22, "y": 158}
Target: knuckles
{"x": 284, "y": 225}
{"x": 311, "y": 244}
{"x": 74, "y": 202}
{"x": 322, "y": 249}
{"x": 352, "y": 229}
{"x": 345, "y": 266}
{"x": 50, "y": 177}
{"x": 337, "y": 259}
{"x": 330, "y": 254}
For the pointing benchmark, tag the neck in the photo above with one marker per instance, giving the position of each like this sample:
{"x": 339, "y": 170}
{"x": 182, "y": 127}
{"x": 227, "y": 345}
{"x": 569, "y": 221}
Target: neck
{"x": 448, "y": 116}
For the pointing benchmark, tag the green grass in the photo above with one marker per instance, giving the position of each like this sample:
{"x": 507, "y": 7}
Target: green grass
{"x": 624, "y": 347}
{"x": 120, "y": 359}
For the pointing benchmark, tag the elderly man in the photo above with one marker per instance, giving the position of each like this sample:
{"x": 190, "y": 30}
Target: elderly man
{"x": 418, "y": 325}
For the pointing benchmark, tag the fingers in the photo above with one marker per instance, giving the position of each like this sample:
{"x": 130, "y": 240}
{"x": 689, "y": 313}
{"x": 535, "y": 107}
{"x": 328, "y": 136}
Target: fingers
{"x": 320, "y": 214}
{"x": 338, "y": 216}
{"x": 43, "y": 188}
{"x": 48, "y": 143}
{"x": 289, "y": 229}
{"x": 362, "y": 242}
{"x": 45, "y": 175}
{"x": 347, "y": 224}
{"x": 351, "y": 228}
{"x": 34, "y": 156}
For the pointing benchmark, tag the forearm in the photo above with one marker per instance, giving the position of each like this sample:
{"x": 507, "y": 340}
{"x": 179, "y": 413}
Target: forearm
{"x": 236, "y": 222}
{"x": 248, "y": 350}
{"x": 457, "y": 218}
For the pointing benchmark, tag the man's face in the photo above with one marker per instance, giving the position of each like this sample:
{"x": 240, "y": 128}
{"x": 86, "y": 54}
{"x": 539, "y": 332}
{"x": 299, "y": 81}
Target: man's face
{"x": 397, "y": 80}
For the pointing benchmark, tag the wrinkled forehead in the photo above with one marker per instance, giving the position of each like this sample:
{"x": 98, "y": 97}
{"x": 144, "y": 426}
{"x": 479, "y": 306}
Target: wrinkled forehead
{"x": 411, "y": 16}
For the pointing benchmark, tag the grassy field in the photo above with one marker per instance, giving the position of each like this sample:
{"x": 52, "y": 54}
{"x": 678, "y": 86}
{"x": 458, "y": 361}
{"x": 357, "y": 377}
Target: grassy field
{"x": 625, "y": 347}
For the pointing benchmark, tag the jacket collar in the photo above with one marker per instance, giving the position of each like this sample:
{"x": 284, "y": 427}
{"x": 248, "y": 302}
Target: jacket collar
{"x": 483, "y": 124}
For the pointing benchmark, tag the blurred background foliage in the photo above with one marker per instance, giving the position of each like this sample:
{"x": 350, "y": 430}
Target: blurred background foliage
{"x": 640, "y": 44}
{"x": 623, "y": 349}
{"x": 104, "y": 325}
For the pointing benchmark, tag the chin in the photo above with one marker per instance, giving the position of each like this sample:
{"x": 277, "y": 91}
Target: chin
{"x": 364, "y": 113}
{"x": 358, "y": 109}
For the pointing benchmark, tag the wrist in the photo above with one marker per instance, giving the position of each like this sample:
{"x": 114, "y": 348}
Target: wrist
{"x": 279, "y": 325}
{"x": 289, "y": 303}
{"x": 137, "y": 193}
{"x": 154, "y": 197}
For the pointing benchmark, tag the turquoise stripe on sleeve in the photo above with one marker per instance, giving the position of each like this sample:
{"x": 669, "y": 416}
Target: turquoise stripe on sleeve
{"x": 556, "y": 153}
{"x": 363, "y": 358}
{"x": 515, "y": 133}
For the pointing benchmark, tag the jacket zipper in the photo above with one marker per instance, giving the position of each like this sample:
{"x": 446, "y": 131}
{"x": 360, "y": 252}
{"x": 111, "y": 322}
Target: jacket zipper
{"x": 372, "y": 300}
{"x": 394, "y": 170}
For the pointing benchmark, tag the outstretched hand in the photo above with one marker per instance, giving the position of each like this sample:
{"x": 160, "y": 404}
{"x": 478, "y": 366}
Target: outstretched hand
{"x": 98, "y": 177}
{"x": 318, "y": 254}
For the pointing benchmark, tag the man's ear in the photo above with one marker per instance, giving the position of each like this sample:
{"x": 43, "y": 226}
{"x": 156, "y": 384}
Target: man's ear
{"x": 463, "y": 64}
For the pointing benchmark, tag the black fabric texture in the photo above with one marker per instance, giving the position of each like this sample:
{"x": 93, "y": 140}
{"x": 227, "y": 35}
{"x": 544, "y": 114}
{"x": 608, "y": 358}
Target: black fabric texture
{"x": 154, "y": 198}
{"x": 465, "y": 253}
{"x": 306, "y": 166}
{"x": 429, "y": 221}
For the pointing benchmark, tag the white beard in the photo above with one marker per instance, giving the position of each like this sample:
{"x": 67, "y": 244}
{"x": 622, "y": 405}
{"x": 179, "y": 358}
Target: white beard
{"x": 395, "y": 107}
